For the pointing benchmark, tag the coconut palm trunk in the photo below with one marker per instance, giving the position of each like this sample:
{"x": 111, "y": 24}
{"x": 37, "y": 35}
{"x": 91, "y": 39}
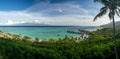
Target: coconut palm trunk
{"x": 115, "y": 48}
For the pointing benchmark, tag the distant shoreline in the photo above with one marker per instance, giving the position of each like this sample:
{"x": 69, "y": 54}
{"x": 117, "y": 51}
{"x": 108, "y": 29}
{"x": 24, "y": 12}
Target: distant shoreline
{"x": 45, "y": 32}
{"x": 48, "y": 26}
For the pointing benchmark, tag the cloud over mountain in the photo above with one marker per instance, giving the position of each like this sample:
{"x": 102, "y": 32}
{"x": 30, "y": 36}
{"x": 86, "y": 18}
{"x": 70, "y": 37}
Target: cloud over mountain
{"x": 55, "y": 12}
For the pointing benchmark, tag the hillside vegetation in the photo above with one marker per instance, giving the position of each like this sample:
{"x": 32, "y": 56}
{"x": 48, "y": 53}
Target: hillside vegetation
{"x": 110, "y": 25}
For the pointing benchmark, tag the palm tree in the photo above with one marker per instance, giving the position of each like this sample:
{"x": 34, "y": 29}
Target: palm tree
{"x": 111, "y": 7}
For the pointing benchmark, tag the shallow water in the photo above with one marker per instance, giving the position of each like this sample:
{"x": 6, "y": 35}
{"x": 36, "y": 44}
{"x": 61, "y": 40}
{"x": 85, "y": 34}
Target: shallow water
{"x": 45, "y": 32}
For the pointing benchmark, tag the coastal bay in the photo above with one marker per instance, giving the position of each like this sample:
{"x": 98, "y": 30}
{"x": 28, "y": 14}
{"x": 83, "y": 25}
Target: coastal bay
{"x": 47, "y": 32}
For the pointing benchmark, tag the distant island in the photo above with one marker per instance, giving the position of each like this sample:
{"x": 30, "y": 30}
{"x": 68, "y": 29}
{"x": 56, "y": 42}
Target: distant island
{"x": 40, "y": 25}
{"x": 109, "y": 25}
{"x": 28, "y": 24}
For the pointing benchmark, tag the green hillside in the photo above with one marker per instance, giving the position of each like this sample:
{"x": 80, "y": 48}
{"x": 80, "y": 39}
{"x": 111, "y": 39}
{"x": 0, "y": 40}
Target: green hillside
{"x": 98, "y": 46}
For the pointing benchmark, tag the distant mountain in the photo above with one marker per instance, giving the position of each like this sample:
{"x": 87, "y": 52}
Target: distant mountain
{"x": 34, "y": 24}
{"x": 29, "y": 24}
{"x": 110, "y": 25}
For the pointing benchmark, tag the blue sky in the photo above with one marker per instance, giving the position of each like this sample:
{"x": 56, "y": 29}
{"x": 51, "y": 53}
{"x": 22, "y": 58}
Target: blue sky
{"x": 10, "y": 5}
{"x": 53, "y": 12}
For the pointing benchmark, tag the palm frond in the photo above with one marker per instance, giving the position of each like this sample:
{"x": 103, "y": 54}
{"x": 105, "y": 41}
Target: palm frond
{"x": 100, "y": 0}
{"x": 117, "y": 12}
{"x": 111, "y": 5}
{"x": 110, "y": 15}
{"x": 103, "y": 8}
{"x": 118, "y": 3}
{"x": 103, "y": 11}
{"x": 104, "y": 2}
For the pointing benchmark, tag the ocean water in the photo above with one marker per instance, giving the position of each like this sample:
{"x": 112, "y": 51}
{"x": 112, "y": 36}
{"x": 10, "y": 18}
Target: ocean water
{"x": 45, "y": 32}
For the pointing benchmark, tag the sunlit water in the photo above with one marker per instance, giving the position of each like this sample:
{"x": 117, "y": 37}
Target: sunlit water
{"x": 45, "y": 32}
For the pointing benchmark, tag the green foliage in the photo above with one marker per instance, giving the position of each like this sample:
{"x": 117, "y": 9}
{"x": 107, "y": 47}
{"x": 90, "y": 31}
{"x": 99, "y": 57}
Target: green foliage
{"x": 87, "y": 49}
{"x": 36, "y": 39}
{"x": 98, "y": 46}
{"x": 9, "y": 33}
{"x": 1, "y": 31}
{"x": 27, "y": 38}
{"x": 16, "y": 37}
{"x": 51, "y": 40}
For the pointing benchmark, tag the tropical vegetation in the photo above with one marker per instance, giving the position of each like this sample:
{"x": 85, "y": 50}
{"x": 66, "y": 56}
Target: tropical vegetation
{"x": 98, "y": 46}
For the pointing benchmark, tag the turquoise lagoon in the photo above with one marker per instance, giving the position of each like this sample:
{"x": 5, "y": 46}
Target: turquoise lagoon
{"x": 46, "y": 32}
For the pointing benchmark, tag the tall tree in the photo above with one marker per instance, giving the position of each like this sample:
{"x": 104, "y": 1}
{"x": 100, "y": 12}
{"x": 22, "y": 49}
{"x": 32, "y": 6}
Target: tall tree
{"x": 111, "y": 7}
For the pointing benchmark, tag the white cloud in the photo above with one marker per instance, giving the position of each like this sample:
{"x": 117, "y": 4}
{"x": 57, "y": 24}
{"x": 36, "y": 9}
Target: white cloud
{"x": 11, "y": 22}
{"x": 22, "y": 17}
{"x": 72, "y": 14}
{"x": 59, "y": 10}
{"x": 14, "y": 17}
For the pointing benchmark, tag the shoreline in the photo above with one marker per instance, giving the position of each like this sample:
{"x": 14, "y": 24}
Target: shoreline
{"x": 47, "y": 33}
{"x": 20, "y": 37}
